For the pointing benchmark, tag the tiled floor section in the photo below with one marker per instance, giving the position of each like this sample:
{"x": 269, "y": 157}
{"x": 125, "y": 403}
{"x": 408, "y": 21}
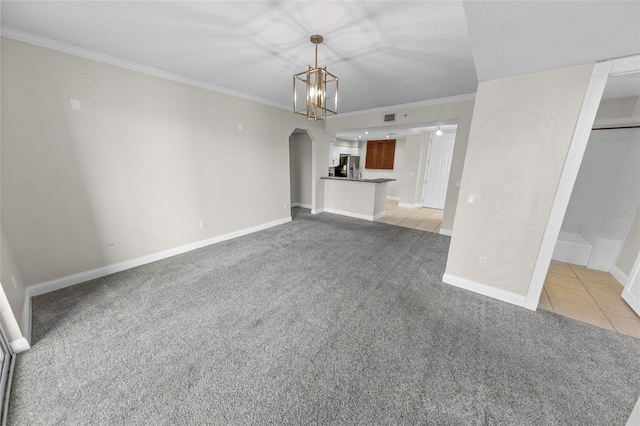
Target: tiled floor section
{"x": 589, "y": 296}
{"x": 423, "y": 219}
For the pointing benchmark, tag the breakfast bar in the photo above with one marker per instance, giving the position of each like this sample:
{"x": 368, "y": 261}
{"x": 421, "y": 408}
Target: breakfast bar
{"x": 360, "y": 198}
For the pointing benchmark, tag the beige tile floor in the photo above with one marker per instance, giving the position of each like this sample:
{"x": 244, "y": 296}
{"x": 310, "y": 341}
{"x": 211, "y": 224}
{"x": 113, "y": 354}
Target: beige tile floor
{"x": 422, "y": 219}
{"x": 589, "y": 296}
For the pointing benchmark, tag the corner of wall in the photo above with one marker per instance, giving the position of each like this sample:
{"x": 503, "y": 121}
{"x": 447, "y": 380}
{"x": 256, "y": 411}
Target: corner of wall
{"x": 485, "y": 290}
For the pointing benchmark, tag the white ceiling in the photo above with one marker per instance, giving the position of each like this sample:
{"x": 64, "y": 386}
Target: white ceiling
{"x": 384, "y": 52}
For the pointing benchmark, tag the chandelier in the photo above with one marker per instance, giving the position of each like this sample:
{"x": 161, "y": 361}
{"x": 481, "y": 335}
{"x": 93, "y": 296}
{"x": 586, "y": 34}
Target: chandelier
{"x": 315, "y": 92}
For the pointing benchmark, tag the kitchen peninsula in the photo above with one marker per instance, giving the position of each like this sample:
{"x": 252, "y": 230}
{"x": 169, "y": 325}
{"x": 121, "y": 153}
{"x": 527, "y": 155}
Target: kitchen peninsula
{"x": 361, "y": 198}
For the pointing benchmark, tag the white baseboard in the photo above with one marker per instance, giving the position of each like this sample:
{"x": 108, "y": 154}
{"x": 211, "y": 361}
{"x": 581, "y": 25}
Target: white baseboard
{"x": 409, "y": 206}
{"x": 60, "y": 283}
{"x": 20, "y": 345}
{"x": 351, "y": 214}
{"x": 317, "y": 211}
{"x": 379, "y": 215}
{"x": 389, "y": 197}
{"x": 446, "y": 232}
{"x": 485, "y": 290}
{"x": 26, "y": 315}
{"x": 619, "y": 275}
{"x": 305, "y": 206}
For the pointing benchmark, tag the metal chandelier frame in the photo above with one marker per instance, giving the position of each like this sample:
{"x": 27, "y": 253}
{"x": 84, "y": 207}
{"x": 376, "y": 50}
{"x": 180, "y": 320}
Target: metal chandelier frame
{"x": 319, "y": 87}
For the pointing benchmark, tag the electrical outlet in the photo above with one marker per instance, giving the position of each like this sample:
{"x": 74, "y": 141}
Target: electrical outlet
{"x": 13, "y": 279}
{"x": 111, "y": 244}
{"x": 202, "y": 224}
{"x": 471, "y": 199}
{"x": 284, "y": 207}
{"x": 482, "y": 261}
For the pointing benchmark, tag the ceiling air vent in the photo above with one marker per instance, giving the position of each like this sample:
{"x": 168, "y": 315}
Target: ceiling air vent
{"x": 390, "y": 117}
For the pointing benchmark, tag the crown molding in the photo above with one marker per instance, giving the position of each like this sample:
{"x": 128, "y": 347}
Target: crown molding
{"x": 396, "y": 108}
{"x": 110, "y": 60}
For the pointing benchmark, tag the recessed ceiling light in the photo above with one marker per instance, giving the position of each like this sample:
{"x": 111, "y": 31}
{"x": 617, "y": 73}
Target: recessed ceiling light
{"x": 366, "y": 133}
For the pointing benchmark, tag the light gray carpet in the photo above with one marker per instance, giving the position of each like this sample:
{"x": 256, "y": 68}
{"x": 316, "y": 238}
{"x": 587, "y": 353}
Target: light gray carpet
{"x": 325, "y": 320}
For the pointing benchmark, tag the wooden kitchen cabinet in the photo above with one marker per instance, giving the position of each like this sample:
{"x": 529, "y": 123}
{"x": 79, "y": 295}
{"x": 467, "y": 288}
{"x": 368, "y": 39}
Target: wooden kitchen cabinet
{"x": 380, "y": 154}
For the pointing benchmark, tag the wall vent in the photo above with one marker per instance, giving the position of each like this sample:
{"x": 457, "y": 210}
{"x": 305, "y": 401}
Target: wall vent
{"x": 390, "y": 117}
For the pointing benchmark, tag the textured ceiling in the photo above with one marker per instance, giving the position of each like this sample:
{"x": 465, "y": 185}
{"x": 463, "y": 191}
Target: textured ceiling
{"x": 414, "y": 50}
{"x": 384, "y": 52}
{"x": 511, "y": 38}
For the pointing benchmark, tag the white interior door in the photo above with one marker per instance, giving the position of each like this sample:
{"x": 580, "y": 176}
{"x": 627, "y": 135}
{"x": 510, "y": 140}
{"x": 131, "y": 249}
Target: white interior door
{"x": 438, "y": 166}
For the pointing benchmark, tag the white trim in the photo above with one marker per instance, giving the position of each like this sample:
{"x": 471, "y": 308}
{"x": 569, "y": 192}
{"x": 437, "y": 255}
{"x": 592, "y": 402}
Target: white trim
{"x": 351, "y": 214}
{"x": 59, "y": 283}
{"x": 586, "y": 117}
{"x": 306, "y": 206}
{"x": 379, "y": 215}
{"x": 20, "y": 345}
{"x": 63, "y": 282}
{"x": 625, "y": 65}
{"x": 389, "y": 109}
{"x": 633, "y": 280}
{"x": 485, "y": 290}
{"x": 632, "y": 300}
{"x": 389, "y": 197}
{"x": 100, "y": 57}
{"x": 619, "y": 275}
{"x": 410, "y": 206}
{"x": 26, "y": 315}
{"x": 446, "y": 232}
{"x": 317, "y": 211}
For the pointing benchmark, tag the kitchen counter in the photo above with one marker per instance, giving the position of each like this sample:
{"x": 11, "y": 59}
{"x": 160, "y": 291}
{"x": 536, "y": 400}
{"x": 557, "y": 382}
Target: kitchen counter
{"x": 361, "y": 198}
{"x": 379, "y": 180}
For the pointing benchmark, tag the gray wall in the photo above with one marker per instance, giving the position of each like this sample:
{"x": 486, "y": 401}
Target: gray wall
{"x": 142, "y": 164}
{"x": 607, "y": 188}
{"x": 300, "y": 152}
{"x": 619, "y": 109}
{"x": 520, "y": 136}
